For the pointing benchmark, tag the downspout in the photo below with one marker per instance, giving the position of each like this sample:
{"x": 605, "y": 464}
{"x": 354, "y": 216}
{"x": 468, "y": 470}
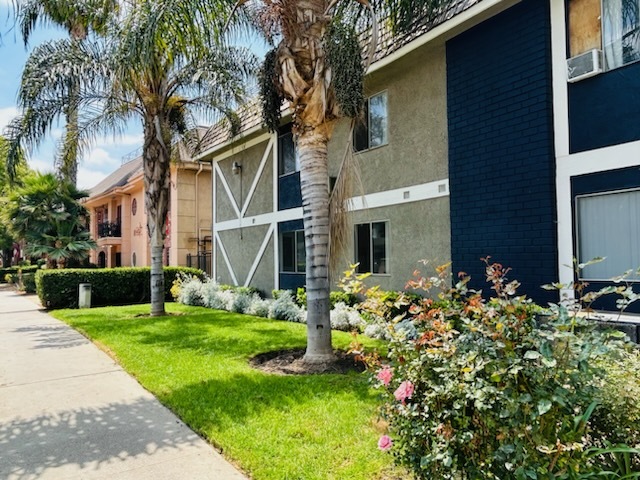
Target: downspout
{"x": 197, "y": 217}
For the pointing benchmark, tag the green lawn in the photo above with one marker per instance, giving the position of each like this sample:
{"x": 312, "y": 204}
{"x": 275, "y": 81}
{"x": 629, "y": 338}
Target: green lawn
{"x": 273, "y": 427}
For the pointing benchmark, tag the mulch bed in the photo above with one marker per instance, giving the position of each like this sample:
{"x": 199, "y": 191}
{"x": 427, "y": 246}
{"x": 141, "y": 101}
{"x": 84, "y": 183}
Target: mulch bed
{"x": 289, "y": 362}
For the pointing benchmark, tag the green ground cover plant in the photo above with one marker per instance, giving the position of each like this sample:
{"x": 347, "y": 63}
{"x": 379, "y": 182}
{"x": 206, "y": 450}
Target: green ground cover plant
{"x": 196, "y": 361}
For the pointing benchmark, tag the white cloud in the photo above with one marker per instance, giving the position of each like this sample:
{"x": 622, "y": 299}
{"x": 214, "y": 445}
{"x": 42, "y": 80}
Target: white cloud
{"x": 7, "y": 114}
{"x": 88, "y": 178}
{"x": 100, "y": 159}
{"x": 43, "y": 166}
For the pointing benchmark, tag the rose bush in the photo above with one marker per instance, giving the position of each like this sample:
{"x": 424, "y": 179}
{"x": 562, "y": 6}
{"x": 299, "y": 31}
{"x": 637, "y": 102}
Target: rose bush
{"x": 477, "y": 388}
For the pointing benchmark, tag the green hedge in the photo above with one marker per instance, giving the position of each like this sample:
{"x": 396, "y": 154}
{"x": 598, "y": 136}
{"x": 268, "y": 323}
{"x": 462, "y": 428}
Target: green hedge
{"x": 15, "y": 270}
{"x": 109, "y": 286}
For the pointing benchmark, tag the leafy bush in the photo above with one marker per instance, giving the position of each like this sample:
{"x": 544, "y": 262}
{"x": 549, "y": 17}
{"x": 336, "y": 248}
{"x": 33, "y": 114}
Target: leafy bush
{"x": 241, "y": 302}
{"x": 285, "y": 308}
{"x": 345, "y": 318}
{"x": 7, "y": 273}
{"x": 477, "y": 389}
{"x": 336, "y": 297}
{"x": 29, "y": 282}
{"x": 618, "y": 418}
{"x": 259, "y": 307}
{"x": 109, "y": 286}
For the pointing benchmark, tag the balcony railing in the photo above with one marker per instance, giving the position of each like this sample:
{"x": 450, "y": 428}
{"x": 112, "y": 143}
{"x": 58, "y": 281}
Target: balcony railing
{"x": 109, "y": 229}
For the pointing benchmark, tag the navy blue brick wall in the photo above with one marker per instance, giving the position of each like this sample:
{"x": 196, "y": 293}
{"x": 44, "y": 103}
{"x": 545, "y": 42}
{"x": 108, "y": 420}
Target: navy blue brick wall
{"x": 501, "y": 158}
{"x": 605, "y": 110}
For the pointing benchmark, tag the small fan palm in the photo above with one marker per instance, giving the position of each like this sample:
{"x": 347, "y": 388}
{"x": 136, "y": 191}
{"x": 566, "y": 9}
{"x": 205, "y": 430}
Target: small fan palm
{"x": 71, "y": 241}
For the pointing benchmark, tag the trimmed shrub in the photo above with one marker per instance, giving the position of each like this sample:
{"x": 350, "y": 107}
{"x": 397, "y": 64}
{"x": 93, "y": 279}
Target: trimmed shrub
{"x": 109, "y": 286}
{"x": 14, "y": 271}
{"x": 345, "y": 318}
{"x": 29, "y": 282}
{"x": 285, "y": 308}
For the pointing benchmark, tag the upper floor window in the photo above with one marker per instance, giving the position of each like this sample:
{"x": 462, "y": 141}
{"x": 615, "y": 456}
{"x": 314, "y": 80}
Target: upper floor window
{"x": 371, "y": 247}
{"x": 372, "y": 130}
{"x": 288, "y": 158}
{"x": 620, "y": 32}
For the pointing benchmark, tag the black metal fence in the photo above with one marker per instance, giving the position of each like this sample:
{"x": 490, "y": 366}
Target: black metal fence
{"x": 202, "y": 261}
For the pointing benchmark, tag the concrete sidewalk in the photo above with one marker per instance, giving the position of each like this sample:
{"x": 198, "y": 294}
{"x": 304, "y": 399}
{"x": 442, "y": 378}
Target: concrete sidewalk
{"x": 68, "y": 411}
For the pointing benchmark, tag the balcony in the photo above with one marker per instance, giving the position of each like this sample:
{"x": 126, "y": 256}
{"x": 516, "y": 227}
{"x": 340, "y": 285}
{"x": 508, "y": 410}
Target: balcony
{"x": 108, "y": 229}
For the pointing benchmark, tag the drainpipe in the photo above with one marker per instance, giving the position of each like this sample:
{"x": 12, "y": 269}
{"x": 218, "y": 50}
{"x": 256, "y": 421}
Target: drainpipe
{"x": 197, "y": 229}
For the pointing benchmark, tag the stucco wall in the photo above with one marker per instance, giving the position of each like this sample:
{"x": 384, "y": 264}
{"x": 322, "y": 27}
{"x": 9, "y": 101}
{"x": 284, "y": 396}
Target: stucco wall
{"x": 417, "y": 231}
{"x": 190, "y": 212}
{"x": 417, "y": 124}
{"x": 249, "y": 158}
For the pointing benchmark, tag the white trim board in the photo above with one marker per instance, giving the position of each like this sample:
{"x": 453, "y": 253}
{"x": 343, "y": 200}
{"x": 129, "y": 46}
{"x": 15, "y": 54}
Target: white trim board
{"x": 592, "y": 161}
{"x": 398, "y": 196}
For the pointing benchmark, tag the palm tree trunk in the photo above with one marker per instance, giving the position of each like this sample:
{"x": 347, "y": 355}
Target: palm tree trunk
{"x": 156, "y": 160}
{"x": 68, "y": 168}
{"x": 314, "y": 184}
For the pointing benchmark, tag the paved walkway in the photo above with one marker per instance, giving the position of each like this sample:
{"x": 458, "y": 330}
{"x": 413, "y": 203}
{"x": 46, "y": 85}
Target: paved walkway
{"x": 67, "y": 411}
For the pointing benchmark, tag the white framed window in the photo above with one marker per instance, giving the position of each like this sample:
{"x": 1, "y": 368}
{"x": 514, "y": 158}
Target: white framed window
{"x": 372, "y": 247}
{"x": 620, "y": 32}
{"x": 372, "y": 130}
{"x": 292, "y": 252}
{"x": 608, "y": 225}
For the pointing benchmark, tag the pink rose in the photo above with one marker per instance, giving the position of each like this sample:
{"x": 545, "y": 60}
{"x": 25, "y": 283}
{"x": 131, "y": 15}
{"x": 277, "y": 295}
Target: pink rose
{"x": 385, "y": 443}
{"x": 404, "y": 391}
{"x": 385, "y": 375}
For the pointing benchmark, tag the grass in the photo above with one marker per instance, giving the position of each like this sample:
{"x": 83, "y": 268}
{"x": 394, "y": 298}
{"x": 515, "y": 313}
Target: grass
{"x": 271, "y": 426}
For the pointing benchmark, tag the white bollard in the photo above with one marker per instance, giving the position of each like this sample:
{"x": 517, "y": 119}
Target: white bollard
{"x": 84, "y": 295}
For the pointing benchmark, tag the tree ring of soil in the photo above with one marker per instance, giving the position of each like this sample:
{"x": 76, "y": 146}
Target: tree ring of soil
{"x": 290, "y": 362}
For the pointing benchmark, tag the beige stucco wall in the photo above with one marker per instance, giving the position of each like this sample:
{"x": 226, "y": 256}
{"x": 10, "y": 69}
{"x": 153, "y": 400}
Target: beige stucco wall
{"x": 190, "y": 212}
{"x": 416, "y": 153}
{"x": 416, "y": 231}
{"x": 417, "y": 124}
{"x": 139, "y": 236}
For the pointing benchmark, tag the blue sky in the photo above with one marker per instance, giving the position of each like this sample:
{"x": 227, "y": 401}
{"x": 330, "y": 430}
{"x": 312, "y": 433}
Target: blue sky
{"x": 107, "y": 154}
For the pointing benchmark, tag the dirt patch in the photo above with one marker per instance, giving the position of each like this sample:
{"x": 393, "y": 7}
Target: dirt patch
{"x": 289, "y": 362}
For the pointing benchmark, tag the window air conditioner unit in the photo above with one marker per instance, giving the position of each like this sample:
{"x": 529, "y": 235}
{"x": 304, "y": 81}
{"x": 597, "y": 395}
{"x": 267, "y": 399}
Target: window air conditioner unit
{"x": 585, "y": 65}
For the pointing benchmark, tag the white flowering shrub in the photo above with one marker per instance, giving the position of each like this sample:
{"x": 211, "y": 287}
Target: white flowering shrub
{"x": 259, "y": 307}
{"x": 241, "y": 302}
{"x": 345, "y": 318}
{"x": 191, "y": 292}
{"x": 285, "y": 308}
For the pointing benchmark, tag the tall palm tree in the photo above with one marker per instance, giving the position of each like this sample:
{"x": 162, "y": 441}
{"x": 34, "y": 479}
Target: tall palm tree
{"x": 317, "y": 67}
{"x": 161, "y": 64}
{"x": 78, "y": 19}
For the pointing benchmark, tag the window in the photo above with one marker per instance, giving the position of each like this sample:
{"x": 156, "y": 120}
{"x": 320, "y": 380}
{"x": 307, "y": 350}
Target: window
{"x": 608, "y": 225}
{"x": 371, "y": 247}
{"x": 288, "y": 158}
{"x": 292, "y": 252}
{"x": 372, "y": 131}
{"x": 134, "y": 206}
{"x": 620, "y": 32}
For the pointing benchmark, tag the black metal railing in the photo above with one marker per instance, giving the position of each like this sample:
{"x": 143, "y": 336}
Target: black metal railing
{"x": 202, "y": 261}
{"x": 109, "y": 229}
